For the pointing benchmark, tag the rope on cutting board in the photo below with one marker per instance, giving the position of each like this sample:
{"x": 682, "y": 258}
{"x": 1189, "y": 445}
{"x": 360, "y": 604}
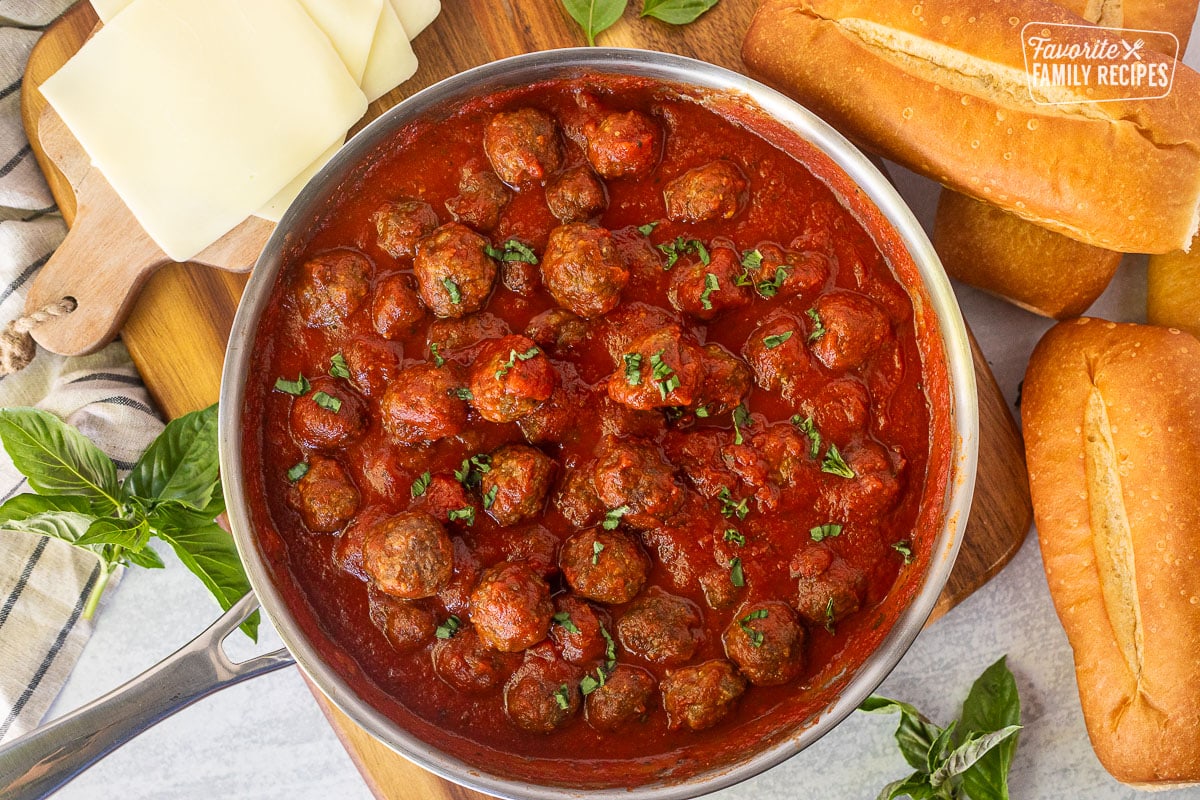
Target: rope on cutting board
{"x": 17, "y": 347}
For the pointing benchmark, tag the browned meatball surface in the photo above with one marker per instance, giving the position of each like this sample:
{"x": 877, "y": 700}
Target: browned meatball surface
{"x": 522, "y": 146}
{"x": 606, "y": 566}
{"x": 511, "y": 377}
{"x": 325, "y": 497}
{"x": 662, "y": 369}
{"x": 332, "y": 286}
{"x": 466, "y": 663}
{"x": 727, "y": 380}
{"x": 576, "y": 499}
{"x": 583, "y": 270}
{"x": 372, "y": 365}
{"x": 576, "y": 195}
{"x": 716, "y": 190}
{"x": 623, "y": 144}
{"x": 623, "y": 698}
{"x": 557, "y": 329}
{"x": 542, "y": 695}
{"x": 660, "y": 627}
{"x": 515, "y": 487}
{"x": 790, "y": 272}
{"x": 766, "y": 643}
{"x": 480, "y": 200}
{"x": 408, "y": 555}
{"x": 511, "y": 608}
{"x": 705, "y": 290}
{"x": 847, "y": 330}
{"x": 633, "y": 476}
{"x": 328, "y": 416}
{"x": 457, "y": 334}
{"x": 454, "y": 273}
{"x": 399, "y": 224}
{"x": 396, "y": 310}
{"x": 422, "y": 404}
{"x": 698, "y": 697}
{"x": 827, "y": 587}
{"x": 777, "y": 353}
{"x": 576, "y": 630}
{"x": 406, "y": 625}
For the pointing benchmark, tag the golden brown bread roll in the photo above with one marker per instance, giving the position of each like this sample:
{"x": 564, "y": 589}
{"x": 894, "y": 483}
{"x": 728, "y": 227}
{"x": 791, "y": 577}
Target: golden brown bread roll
{"x": 1112, "y": 427}
{"x": 1173, "y": 290}
{"x": 944, "y": 93}
{"x": 1037, "y": 269}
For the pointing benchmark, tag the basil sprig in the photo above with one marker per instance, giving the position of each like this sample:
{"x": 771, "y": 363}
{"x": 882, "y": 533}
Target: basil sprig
{"x": 173, "y": 493}
{"x": 971, "y": 757}
{"x": 595, "y": 16}
{"x": 676, "y": 12}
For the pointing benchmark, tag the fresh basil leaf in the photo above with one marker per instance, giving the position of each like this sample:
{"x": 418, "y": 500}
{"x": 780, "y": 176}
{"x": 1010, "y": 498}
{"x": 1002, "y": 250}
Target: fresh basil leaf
{"x": 57, "y": 459}
{"x": 181, "y": 464}
{"x": 940, "y": 749}
{"x": 915, "y": 734}
{"x": 65, "y": 525}
{"x": 969, "y": 752}
{"x": 676, "y": 12}
{"x": 208, "y": 551}
{"x": 992, "y": 705}
{"x": 595, "y": 16}
{"x": 146, "y": 557}
{"x": 130, "y": 534}
{"x": 24, "y": 506}
{"x": 915, "y": 786}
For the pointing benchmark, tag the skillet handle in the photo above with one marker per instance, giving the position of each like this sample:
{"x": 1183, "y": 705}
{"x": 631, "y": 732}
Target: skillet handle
{"x": 44, "y": 760}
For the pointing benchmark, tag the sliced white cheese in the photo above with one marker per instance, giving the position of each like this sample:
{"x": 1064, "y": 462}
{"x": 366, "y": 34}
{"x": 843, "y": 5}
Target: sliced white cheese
{"x": 415, "y": 15}
{"x": 350, "y": 26}
{"x": 277, "y": 205}
{"x": 392, "y": 60}
{"x": 107, "y": 9}
{"x": 199, "y": 112}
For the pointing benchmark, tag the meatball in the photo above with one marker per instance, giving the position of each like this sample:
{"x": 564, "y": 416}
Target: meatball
{"x": 515, "y": 487}
{"x": 422, "y": 404}
{"x": 623, "y": 144}
{"x": 727, "y": 380}
{"x": 456, "y": 334}
{"x": 766, "y": 643}
{"x": 557, "y": 328}
{"x": 791, "y": 272}
{"x": 396, "y": 311}
{"x": 480, "y": 200}
{"x": 511, "y": 608}
{"x": 454, "y": 273}
{"x": 705, "y": 290}
{"x": 776, "y": 353}
{"x": 511, "y": 377}
{"x": 662, "y": 369}
{"x": 443, "y": 494}
{"x": 328, "y": 417}
{"x": 331, "y": 287}
{"x": 522, "y": 146}
{"x": 576, "y": 499}
{"x": 576, "y": 630}
{"x": 716, "y": 190}
{"x": 871, "y": 492}
{"x": 606, "y": 566}
{"x": 542, "y": 695}
{"x": 583, "y": 270}
{"x": 404, "y": 624}
{"x": 660, "y": 627}
{"x": 618, "y": 419}
{"x": 840, "y": 409}
{"x": 399, "y": 224}
{"x": 533, "y": 544}
{"x": 786, "y": 453}
{"x": 555, "y": 421}
{"x": 372, "y": 364}
{"x": 623, "y": 698}
{"x": 630, "y": 322}
{"x": 408, "y": 555}
{"x": 464, "y": 662}
{"x": 854, "y": 326}
{"x": 325, "y": 497}
{"x": 828, "y": 588}
{"x": 699, "y": 697}
{"x": 575, "y": 195}
{"x": 634, "y": 476}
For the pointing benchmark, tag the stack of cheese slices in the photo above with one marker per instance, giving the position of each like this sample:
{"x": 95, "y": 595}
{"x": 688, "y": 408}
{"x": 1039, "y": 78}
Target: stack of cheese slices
{"x": 200, "y": 113}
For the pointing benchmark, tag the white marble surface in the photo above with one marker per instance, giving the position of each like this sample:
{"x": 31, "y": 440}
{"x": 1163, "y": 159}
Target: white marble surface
{"x": 267, "y": 739}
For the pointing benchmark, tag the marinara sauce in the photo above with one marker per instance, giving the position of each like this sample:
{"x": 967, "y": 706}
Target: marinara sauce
{"x": 595, "y": 434}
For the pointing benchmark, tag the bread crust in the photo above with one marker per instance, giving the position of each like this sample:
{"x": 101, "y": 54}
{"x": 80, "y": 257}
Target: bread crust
{"x": 944, "y": 93}
{"x": 1111, "y": 422}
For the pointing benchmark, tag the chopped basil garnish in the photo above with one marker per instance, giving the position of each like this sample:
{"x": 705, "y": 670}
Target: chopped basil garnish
{"x": 741, "y": 418}
{"x": 297, "y": 471}
{"x": 338, "y": 367}
{"x": 466, "y": 514}
{"x": 662, "y": 373}
{"x": 327, "y": 402}
{"x": 452, "y": 289}
{"x": 648, "y": 228}
{"x": 513, "y": 358}
{"x": 562, "y": 696}
{"x": 702, "y": 412}
{"x": 736, "y": 576}
{"x": 420, "y": 484}
{"x": 807, "y": 427}
{"x": 563, "y": 618}
{"x": 613, "y": 518}
{"x": 770, "y": 288}
{"x": 751, "y": 260}
{"x": 437, "y": 357}
{"x": 710, "y": 285}
{"x": 470, "y": 474}
{"x": 729, "y": 508}
{"x": 735, "y": 536}
{"x": 490, "y": 497}
{"x": 610, "y": 650}
{"x": 835, "y": 465}
{"x": 633, "y": 368}
{"x": 829, "y": 616}
{"x": 512, "y": 250}
{"x": 774, "y": 341}
{"x": 829, "y": 530}
{"x": 904, "y": 548}
{"x": 448, "y": 628}
{"x": 673, "y": 250}
{"x": 756, "y": 637}
{"x": 297, "y": 388}
{"x": 597, "y": 549}
{"x": 818, "y": 329}
{"x": 590, "y": 684}
{"x": 462, "y": 393}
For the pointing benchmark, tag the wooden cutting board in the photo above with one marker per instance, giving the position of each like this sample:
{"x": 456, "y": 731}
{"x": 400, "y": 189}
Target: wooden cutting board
{"x": 179, "y": 325}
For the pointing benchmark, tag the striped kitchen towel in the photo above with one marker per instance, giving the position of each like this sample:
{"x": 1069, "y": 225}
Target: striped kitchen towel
{"x": 44, "y": 583}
